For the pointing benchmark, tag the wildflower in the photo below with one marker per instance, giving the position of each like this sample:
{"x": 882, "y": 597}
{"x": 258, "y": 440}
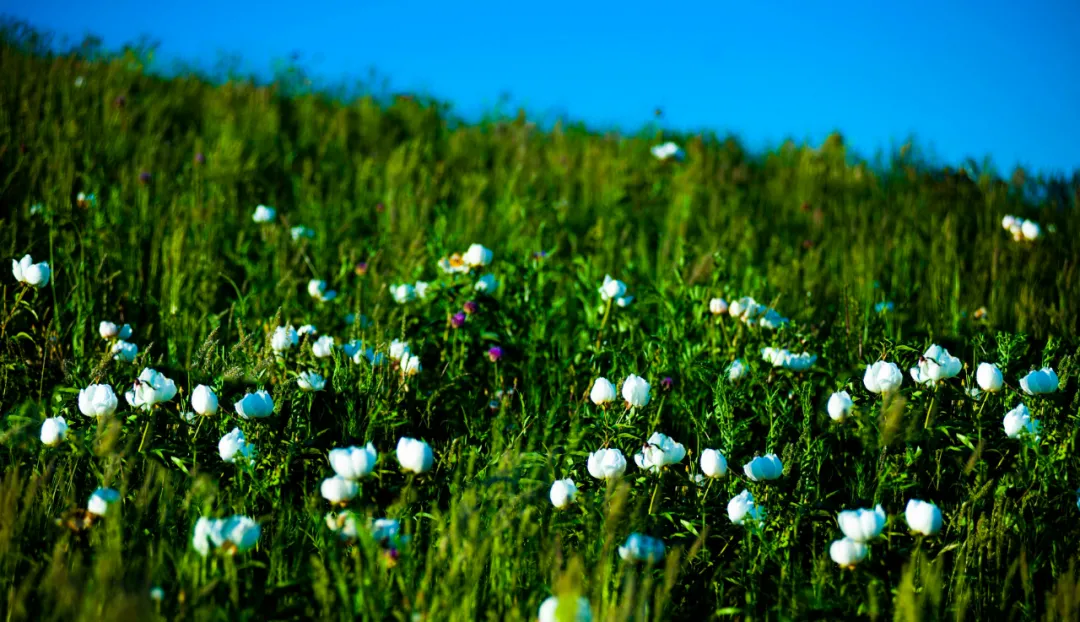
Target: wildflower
{"x": 97, "y": 400}
{"x": 410, "y": 365}
{"x": 764, "y": 468}
{"x": 840, "y": 405}
{"x": 403, "y": 293}
{"x": 611, "y": 289}
{"x": 883, "y": 307}
{"x": 639, "y": 547}
{"x": 399, "y": 349}
{"x": 235, "y": 534}
{"x": 494, "y": 354}
{"x": 307, "y": 330}
{"x": 668, "y": 150}
{"x": 234, "y": 445}
{"x": 746, "y": 309}
{"x": 847, "y": 552}
{"x": 354, "y": 462}
{"x": 144, "y": 177}
{"x": 981, "y": 313}
{"x": 361, "y": 268}
{"x": 973, "y": 392}
{"x": 53, "y": 431}
{"x": 470, "y": 307}
{"x": 458, "y": 320}
{"x": 200, "y": 158}
{"x": 713, "y": 463}
{"x": 989, "y": 377}
{"x": 150, "y": 388}
{"x": 1018, "y": 422}
{"x": 414, "y": 455}
{"x": 562, "y": 493}
{"x": 882, "y": 377}
{"x": 1030, "y": 230}
{"x": 787, "y": 360}
{"x": 337, "y": 489}
{"x": 84, "y": 200}
{"x": 284, "y": 338}
{"x": 79, "y": 81}
{"x": 659, "y": 452}
{"x": 317, "y": 290}
{"x": 33, "y": 274}
{"x": 203, "y": 400}
{"x": 606, "y": 464}
{"x": 772, "y": 320}
{"x": 736, "y": 370}
{"x": 157, "y": 594}
{"x": 188, "y": 417}
{"x": 555, "y": 609}
{"x": 310, "y": 381}
{"x": 255, "y": 405}
{"x": 922, "y": 517}
{"x": 346, "y": 524}
{"x": 454, "y": 264}
{"x": 862, "y": 525}
{"x": 742, "y": 507}
{"x": 718, "y": 306}
{"x": 124, "y": 351}
{"x": 301, "y": 232}
{"x": 323, "y": 347}
{"x": 264, "y": 214}
{"x": 1044, "y": 380}
{"x": 935, "y": 364}
{"x": 487, "y": 284}
{"x": 602, "y": 392}
{"x": 108, "y": 330}
{"x": 635, "y": 390}
{"x": 477, "y": 256}
{"x": 667, "y": 383}
{"x": 101, "y": 500}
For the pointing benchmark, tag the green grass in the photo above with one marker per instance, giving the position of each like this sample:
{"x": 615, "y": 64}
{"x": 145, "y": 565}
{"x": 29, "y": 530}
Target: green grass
{"x": 815, "y": 233}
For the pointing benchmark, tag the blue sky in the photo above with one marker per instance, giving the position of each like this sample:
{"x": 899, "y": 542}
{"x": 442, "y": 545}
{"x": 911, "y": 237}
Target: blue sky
{"x": 967, "y": 78}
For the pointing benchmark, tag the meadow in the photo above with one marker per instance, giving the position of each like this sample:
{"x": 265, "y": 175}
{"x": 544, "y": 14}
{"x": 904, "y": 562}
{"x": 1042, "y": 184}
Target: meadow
{"x": 735, "y": 357}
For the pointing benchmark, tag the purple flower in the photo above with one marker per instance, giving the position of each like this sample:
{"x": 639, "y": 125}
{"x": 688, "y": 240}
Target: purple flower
{"x": 471, "y": 307}
{"x": 495, "y": 353}
{"x": 668, "y": 382}
{"x": 361, "y": 268}
{"x": 538, "y": 255}
{"x": 144, "y": 177}
{"x": 200, "y": 158}
{"x": 458, "y": 320}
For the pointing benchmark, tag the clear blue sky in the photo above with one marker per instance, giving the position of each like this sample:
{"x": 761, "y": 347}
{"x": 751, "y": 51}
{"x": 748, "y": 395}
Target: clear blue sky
{"x": 998, "y": 78}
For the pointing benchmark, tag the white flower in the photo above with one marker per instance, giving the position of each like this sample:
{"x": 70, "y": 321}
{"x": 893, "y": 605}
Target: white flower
{"x": 337, "y": 489}
{"x": 53, "y": 431}
{"x": 414, "y": 455}
{"x": 623, "y": 301}
{"x": 1044, "y": 380}
{"x": 787, "y": 360}
{"x": 403, "y": 293}
{"x": 236, "y": 534}
{"x": 718, "y": 306}
{"x": 203, "y": 400}
{"x": 742, "y": 508}
{"x": 97, "y": 400}
{"x": 640, "y": 547}
{"x": 300, "y": 231}
{"x": 108, "y": 330}
{"x": 284, "y": 338}
{"x": 421, "y": 289}
{"x": 150, "y": 388}
{"x": 487, "y": 284}
{"x": 567, "y": 609}
{"x": 736, "y": 370}
{"x": 713, "y": 463}
{"x": 659, "y": 452}
{"x": 847, "y": 552}
{"x": 562, "y": 493}
{"x": 764, "y": 468}
{"x": 1018, "y": 422}
{"x": 410, "y": 366}
{"x": 1030, "y": 229}
{"x": 454, "y": 264}
{"x": 157, "y": 594}
{"x": 310, "y": 381}
{"x": 234, "y": 445}
{"x": 606, "y": 464}
{"x": 346, "y": 524}
{"x": 188, "y": 417}
{"x": 323, "y": 346}
{"x": 79, "y": 82}
{"x": 840, "y": 405}
{"x": 306, "y": 329}
{"x": 477, "y": 256}
{"x": 772, "y": 320}
{"x": 602, "y": 391}
{"x": 354, "y": 462}
{"x": 399, "y": 349}
{"x": 33, "y": 274}
{"x": 882, "y": 377}
{"x": 936, "y": 364}
{"x": 989, "y": 377}
{"x": 611, "y": 288}
{"x": 635, "y": 390}
{"x": 101, "y": 500}
{"x": 862, "y": 525}
{"x": 264, "y": 214}
{"x": 124, "y": 351}
{"x": 352, "y": 348}
{"x": 1007, "y": 222}
{"x": 923, "y": 518}
{"x": 745, "y": 308}
{"x": 200, "y": 538}
{"x": 667, "y": 150}
{"x": 255, "y": 405}
{"x": 317, "y": 290}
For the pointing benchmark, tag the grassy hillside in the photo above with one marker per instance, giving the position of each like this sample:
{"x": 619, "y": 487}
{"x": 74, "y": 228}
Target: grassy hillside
{"x": 139, "y": 192}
